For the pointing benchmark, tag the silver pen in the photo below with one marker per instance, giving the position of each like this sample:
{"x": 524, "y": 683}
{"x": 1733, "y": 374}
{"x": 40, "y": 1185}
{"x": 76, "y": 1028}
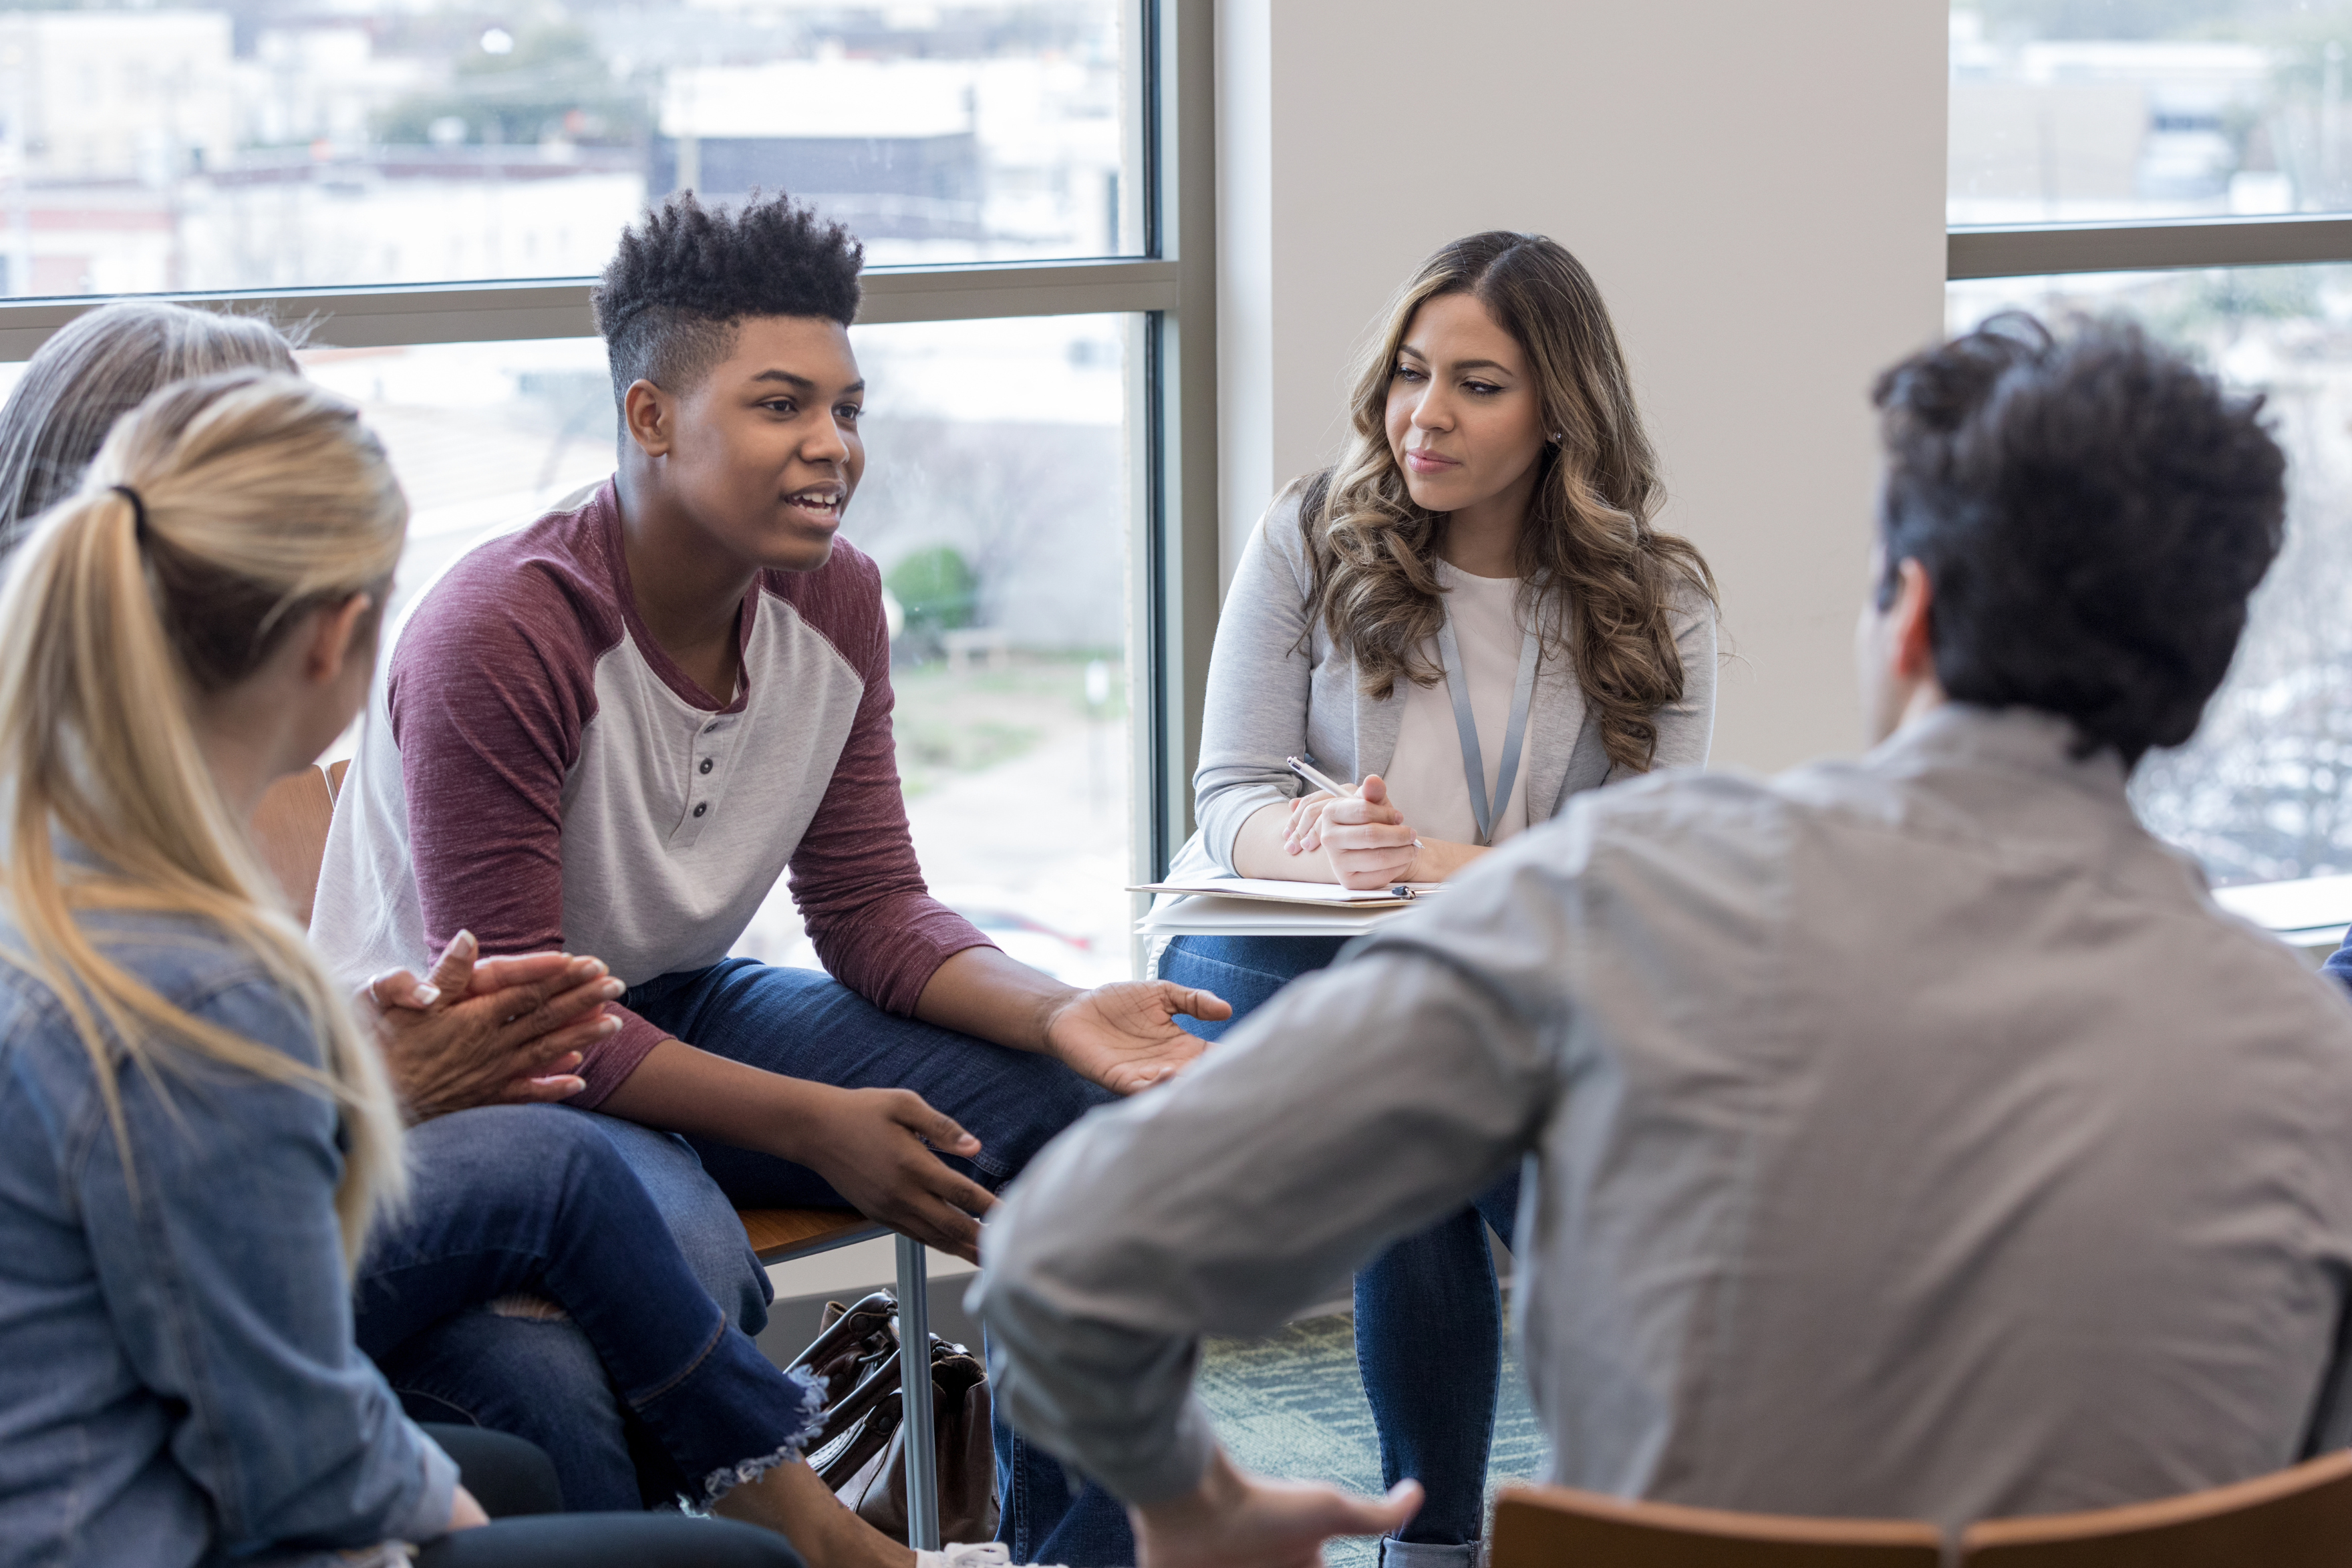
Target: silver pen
{"x": 1320, "y": 779}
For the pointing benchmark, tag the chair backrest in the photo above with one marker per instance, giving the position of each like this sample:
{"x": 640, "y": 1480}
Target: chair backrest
{"x": 1557, "y": 1527}
{"x": 2300, "y": 1518}
{"x": 290, "y": 829}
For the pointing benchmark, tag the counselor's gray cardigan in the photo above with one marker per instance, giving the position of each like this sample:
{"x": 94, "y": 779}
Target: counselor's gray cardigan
{"x": 1269, "y": 700}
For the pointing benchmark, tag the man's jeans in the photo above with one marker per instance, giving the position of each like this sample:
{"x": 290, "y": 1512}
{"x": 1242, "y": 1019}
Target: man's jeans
{"x": 803, "y": 1024}
{"x": 542, "y": 1379}
{"x": 1429, "y": 1331}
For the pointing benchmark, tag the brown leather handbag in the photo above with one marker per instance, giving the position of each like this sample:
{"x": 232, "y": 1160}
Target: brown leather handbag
{"x": 860, "y": 1449}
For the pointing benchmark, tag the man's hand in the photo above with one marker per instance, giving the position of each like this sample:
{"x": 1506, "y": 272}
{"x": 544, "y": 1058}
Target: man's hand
{"x": 1238, "y": 1520}
{"x": 496, "y": 1031}
{"x": 465, "y": 1513}
{"x": 1124, "y": 1035}
{"x": 876, "y": 1147}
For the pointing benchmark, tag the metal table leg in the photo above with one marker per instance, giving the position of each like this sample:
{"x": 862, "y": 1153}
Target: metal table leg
{"x": 915, "y": 1366}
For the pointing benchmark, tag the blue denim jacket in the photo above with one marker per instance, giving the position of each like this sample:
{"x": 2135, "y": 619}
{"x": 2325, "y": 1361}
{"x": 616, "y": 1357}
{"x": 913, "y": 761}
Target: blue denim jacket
{"x": 178, "y": 1384}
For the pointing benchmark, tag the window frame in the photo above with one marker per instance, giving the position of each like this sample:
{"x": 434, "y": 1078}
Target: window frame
{"x": 2042, "y": 250}
{"x": 2163, "y": 244}
{"x": 1169, "y": 292}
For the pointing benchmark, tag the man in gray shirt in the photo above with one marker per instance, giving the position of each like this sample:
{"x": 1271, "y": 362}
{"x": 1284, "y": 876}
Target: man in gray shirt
{"x": 1910, "y": 1136}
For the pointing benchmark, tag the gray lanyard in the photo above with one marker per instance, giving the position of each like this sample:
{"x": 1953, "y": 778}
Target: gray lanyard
{"x": 1473, "y": 766}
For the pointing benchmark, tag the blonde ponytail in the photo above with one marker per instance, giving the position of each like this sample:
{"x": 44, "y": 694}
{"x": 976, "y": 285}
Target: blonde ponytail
{"x": 217, "y": 515}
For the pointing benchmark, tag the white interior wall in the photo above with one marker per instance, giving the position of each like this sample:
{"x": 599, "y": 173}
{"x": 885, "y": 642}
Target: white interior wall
{"x": 1760, "y": 190}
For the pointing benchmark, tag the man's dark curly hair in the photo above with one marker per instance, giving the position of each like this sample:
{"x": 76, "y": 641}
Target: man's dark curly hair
{"x": 672, "y": 296}
{"x": 2092, "y": 512}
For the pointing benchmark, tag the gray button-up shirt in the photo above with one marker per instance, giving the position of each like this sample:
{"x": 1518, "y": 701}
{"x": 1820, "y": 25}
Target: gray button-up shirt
{"x": 1911, "y": 1138}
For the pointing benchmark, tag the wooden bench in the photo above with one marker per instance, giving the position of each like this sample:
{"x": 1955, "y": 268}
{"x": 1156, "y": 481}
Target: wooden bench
{"x": 290, "y": 830}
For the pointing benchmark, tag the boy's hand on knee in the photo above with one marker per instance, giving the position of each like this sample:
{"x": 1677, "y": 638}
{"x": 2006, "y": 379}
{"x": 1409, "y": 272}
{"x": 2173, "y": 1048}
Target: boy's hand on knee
{"x": 1124, "y": 1036}
{"x": 880, "y": 1149}
{"x": 1235, "y": 1519}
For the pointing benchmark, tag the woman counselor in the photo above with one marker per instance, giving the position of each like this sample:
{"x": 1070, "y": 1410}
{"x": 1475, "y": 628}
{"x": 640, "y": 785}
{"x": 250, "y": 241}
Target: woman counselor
{"x": 1472, "y": 613}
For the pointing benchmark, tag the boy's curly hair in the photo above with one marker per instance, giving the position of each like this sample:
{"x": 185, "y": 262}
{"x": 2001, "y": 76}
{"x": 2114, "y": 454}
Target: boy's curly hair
{"x": 671, "y": 297}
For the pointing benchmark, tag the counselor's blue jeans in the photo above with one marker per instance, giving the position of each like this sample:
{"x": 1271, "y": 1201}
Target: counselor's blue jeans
{"x": 805, "y": 1024}
{"x": 1429, "y": 1329}
{"x": 537, "y": 1200}
{"x": 543, "y": 1380}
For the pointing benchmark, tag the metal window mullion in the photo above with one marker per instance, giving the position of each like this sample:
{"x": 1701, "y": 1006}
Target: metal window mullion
{"x": 1181, "y": 530}
{"x": 499, "y": 312}
{"x": 2049, "y": 250}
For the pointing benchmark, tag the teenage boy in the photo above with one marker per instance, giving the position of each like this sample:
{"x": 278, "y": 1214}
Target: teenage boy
{"x": 1913, "y": 1137}
{"x": 612, "y": 731}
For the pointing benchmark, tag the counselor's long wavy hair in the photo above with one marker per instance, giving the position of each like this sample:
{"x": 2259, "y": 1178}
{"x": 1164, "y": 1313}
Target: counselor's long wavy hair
{"x": 1609, "y": 578}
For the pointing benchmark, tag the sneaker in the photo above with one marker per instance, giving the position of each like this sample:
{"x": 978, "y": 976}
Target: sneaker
{"x": 988, "y": 1555}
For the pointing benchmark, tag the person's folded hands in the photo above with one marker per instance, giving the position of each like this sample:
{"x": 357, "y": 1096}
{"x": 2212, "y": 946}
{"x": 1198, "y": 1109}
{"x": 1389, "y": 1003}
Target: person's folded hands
{"x": 1364, "y": 837}
{"x": 490, "y": 1032}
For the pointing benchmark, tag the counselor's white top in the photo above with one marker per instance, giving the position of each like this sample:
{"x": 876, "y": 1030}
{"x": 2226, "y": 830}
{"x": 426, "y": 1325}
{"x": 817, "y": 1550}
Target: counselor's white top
{"x": 1425, "y": 779}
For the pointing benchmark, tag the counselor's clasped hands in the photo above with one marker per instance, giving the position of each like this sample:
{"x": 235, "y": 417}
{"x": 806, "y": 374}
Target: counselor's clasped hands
{"x": 1364, "y": 837}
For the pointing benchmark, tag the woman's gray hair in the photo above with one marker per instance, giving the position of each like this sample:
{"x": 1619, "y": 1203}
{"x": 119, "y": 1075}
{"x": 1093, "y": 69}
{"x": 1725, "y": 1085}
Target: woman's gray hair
{"x": 94, "y": 369}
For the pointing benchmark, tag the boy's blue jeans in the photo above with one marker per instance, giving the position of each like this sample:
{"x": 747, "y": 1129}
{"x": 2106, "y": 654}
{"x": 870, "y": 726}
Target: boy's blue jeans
{"x": 805, "y": 1024}
{"x": 1429, "y": 1329}
{"x": 545, "y": 1380}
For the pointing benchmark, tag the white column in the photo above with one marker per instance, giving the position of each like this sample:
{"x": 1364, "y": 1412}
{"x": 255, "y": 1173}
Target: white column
{"x": 1759, "y": 188}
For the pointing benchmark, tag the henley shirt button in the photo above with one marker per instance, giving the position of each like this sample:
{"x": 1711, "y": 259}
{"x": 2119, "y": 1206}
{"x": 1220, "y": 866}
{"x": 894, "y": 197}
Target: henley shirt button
{"x": 706, "y": 764}
{"x": 705, "y": 806}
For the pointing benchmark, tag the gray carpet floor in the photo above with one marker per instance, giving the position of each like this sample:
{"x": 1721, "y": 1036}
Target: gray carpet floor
{"x": 1293, "y": 1406}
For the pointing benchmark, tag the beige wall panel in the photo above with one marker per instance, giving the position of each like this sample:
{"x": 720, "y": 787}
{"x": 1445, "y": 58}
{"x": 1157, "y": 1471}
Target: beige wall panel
{"x": 1760, "y": 190}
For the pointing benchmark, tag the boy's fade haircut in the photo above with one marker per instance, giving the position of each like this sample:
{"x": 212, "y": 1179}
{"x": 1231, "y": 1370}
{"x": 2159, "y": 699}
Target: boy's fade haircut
{"x": 2093, "y": 512}
{"x": 683, "y": 279}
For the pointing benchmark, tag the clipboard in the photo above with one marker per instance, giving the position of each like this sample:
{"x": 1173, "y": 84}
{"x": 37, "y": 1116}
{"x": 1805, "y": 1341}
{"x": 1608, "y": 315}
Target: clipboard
{"x": 1314, "y": 894}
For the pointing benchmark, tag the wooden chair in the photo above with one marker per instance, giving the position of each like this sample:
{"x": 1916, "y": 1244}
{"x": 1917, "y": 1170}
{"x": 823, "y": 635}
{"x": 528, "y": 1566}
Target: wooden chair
{"x": 290, "y": 830}
{"x": 1557, "y": 1527}
{"x": 2299, "y": 1518}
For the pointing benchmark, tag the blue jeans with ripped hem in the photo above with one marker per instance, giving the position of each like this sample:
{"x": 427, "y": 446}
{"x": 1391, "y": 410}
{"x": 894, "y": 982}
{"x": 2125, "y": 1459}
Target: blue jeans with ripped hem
{"x": 805, "y": 1024}
{"x": 536, "y": 1200}
{"x": 1429, "y": 1327}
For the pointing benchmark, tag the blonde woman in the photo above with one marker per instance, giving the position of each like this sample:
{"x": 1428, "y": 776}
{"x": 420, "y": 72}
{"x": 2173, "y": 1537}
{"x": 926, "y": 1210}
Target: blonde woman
{"x": 196, "y": 1133}
{"x": 534, "y": 1378}
{"x": 1471, "y": 614}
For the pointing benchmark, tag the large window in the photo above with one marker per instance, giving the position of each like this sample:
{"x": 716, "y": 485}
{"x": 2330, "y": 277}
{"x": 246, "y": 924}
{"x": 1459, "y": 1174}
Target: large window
{"x": 2263, "y": 793}
{"x": 995, "y": 503}
{"x": 2149, "y": 159}
{"x": 425, "y": 191}
{"x": 257, "y": 146}
{"x": 2070, "y": 109}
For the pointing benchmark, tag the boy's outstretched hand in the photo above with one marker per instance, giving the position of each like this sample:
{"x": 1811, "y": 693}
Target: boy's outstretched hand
{"x": 1235, "y": 1519}
{"x": 1124, "y": 1036}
